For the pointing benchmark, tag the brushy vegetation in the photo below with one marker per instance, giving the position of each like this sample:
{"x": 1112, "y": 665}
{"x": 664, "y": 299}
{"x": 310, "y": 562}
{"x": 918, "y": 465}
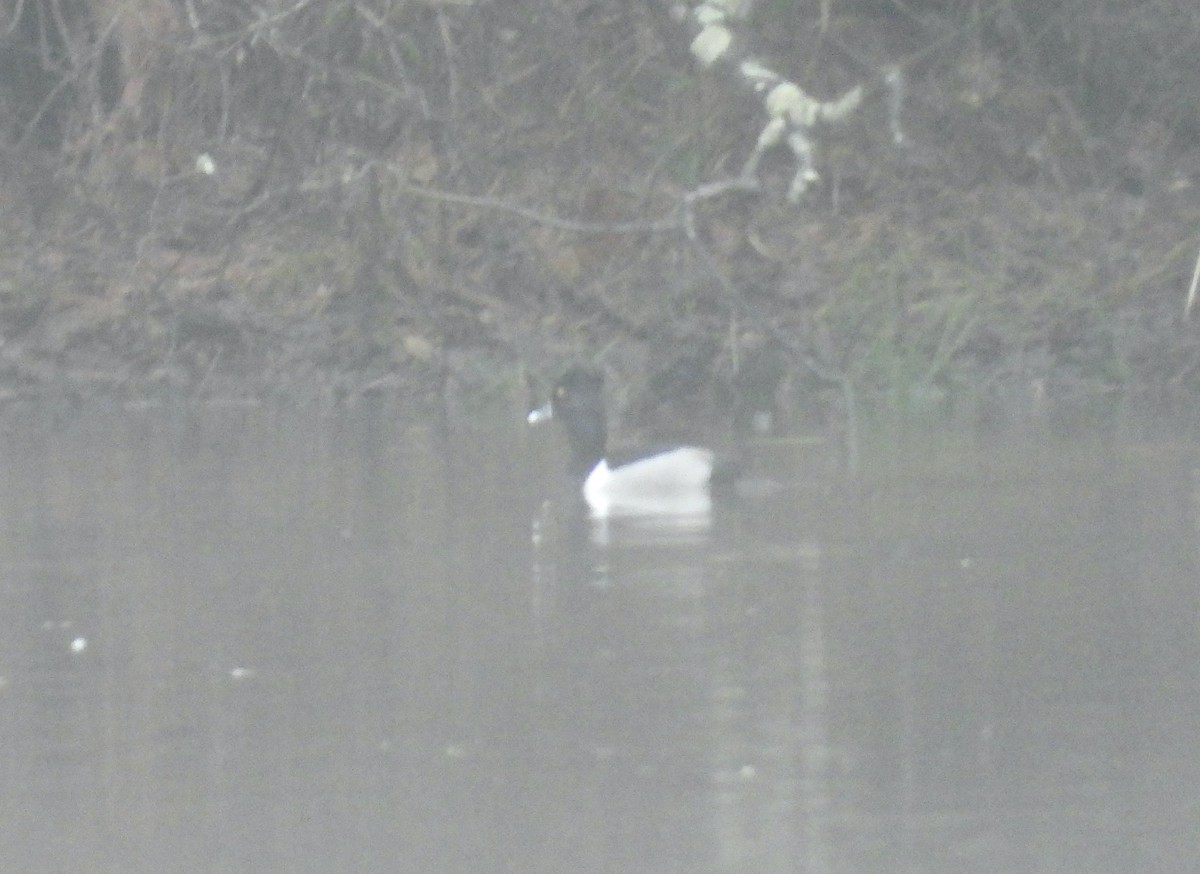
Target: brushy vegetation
{"x": 305, "y": 198}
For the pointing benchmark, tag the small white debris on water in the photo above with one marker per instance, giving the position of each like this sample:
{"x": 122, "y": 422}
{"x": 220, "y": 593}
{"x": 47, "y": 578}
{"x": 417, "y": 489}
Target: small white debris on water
{"x": 79, "y": 644}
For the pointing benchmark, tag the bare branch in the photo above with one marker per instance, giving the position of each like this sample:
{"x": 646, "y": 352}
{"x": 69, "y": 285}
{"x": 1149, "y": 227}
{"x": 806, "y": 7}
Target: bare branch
{"x": 649, "y": 226}
{"x": 1191, "y": 295}
{"x": 681, "y": 218}
{"x": 16, "y": 19}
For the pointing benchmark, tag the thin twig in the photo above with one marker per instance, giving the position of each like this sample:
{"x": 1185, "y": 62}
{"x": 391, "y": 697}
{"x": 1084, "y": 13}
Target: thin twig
{"x": 715, "y": 189}
{"x": 452, "y": 70}
{"x": 674, "y": 221}
{"x": 678, "y": 219}
{"x": 670, "y": 223}
{"x": 1191, "y": 295}
{"x": 739, "y": 302}
{"x": 80, "y": 66}
{"x": 682, "y": 218}
{"x": 265, "y": 21}
{"x": 16, "y": 19}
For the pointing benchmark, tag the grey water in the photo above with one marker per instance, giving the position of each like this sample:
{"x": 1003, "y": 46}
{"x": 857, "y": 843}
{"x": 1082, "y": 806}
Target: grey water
{"x": 253, "y": 640}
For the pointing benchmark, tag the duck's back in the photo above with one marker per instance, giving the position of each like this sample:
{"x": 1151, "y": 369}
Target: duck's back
{"x": 672, "y": 482}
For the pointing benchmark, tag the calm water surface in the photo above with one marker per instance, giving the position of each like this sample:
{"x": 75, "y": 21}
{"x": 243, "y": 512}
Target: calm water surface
{"x": 251, "y": 641}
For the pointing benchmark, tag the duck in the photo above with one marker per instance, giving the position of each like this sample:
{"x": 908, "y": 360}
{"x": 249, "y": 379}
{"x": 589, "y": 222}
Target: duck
{"x": 671, "y": 481}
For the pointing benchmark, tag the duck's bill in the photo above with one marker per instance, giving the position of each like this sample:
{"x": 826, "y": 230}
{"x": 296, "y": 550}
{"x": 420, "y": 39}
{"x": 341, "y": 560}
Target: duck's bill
{"x": 541, "y": 414}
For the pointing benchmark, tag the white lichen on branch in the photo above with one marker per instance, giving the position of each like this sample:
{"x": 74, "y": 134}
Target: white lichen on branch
{"x": 893, "y": 80}
{"x": 792, "y": 113}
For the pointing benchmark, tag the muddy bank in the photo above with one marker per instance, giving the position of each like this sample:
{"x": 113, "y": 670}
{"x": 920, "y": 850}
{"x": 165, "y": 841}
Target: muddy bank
{"x": 1005, "y": 259}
